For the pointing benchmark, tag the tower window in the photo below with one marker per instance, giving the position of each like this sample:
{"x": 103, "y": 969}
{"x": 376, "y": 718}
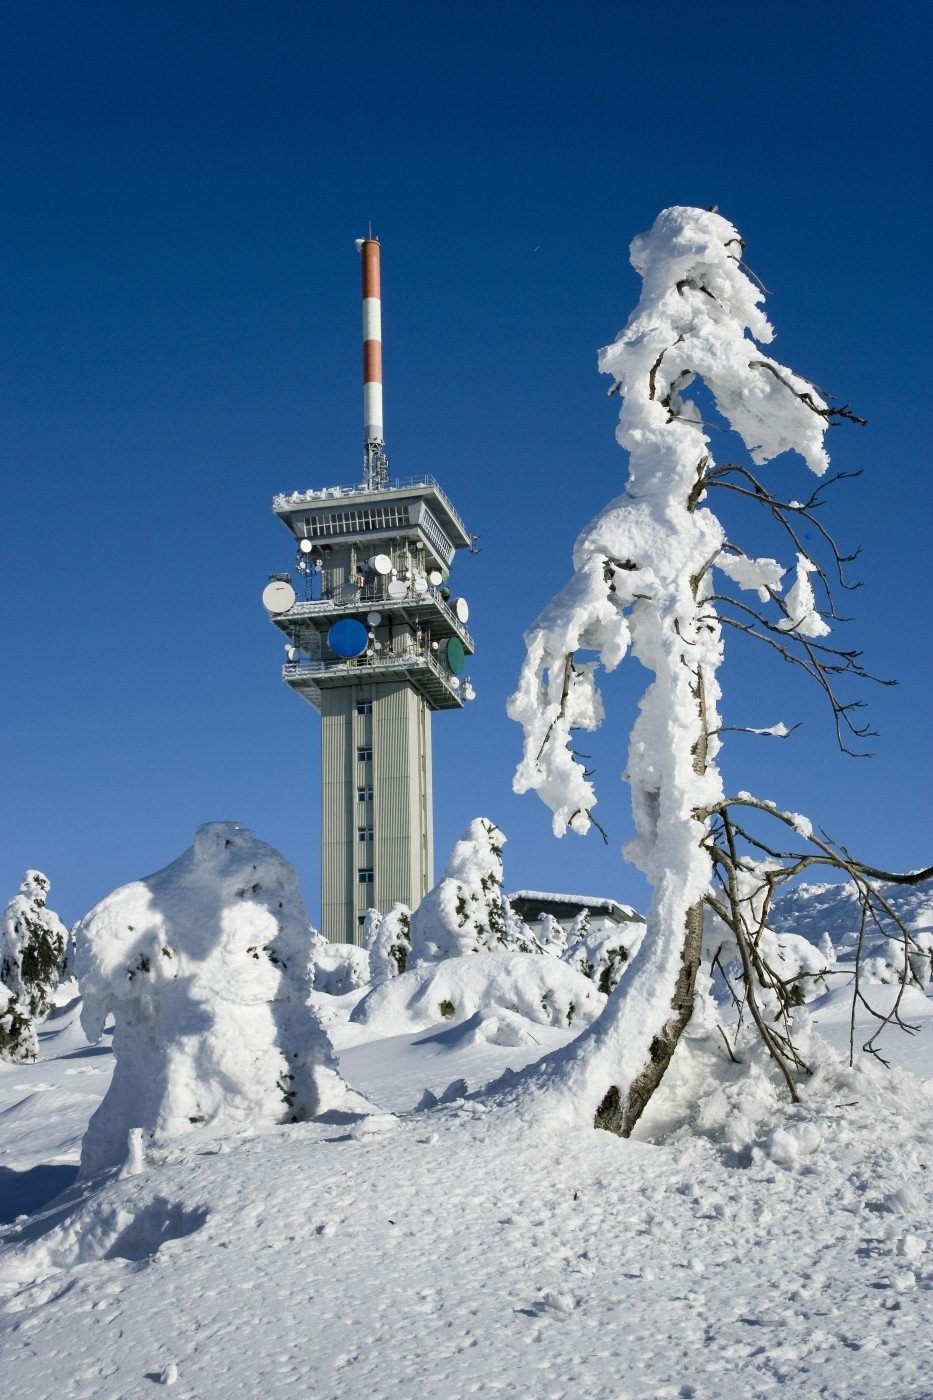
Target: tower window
{"x": 365, "y": 753}
{"x": 364, "y": 794}
{"x": 364, "y": 707}
{"x": 367, "y": 875}
{"x": 366, "y": 833}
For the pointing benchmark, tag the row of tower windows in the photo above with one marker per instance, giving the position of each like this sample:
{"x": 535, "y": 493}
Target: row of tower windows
{"x": 349, "y": 522}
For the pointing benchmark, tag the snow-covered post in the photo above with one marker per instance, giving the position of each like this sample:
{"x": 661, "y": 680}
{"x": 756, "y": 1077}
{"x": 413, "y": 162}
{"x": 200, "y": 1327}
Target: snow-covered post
{"x": 204, "y": 967}
{"x": 643, "y": 583}
{"x": 33, "y": 945}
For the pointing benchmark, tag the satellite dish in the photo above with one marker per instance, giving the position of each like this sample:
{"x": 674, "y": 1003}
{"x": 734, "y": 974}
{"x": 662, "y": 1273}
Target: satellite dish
{"x": 305, "y": 546}
{"x": 374, "y": 618}
{"x": 421, "y": 583}
{"x": 348, "y": 638}
{"x": 348, "y": 592}
{"x": 454, "y": 683}
{"x": 445, "y": 594}
{"x": 382, "y": 564}
{"x": 435, "y": 577}
{"x": 468, "y": 692}
{"x": 462, "y": 609}
{"x": 397, "y": 589}
{"x": 456, "y": 656}
{"x": 291, "y": 653}
{"x": 278, "y": 597}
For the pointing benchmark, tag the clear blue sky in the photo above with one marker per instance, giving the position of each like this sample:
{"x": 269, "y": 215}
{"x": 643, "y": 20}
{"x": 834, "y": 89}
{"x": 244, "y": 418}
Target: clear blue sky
{"x": 183, "y": 183}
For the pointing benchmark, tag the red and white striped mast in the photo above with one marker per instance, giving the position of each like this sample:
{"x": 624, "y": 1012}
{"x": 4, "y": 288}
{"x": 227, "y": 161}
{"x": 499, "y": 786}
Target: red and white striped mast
{"x": 375, "y": 461}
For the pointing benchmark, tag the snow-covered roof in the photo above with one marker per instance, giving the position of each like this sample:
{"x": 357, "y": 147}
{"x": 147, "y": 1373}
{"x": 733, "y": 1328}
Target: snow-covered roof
{"x": 569, "y": 905}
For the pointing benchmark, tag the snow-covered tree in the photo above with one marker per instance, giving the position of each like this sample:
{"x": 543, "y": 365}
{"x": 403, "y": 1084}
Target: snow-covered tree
{"x": 33, "y": 946}
{"x": 465, "y": 912}
{"x": 204, "y": 968}
{"x": 657, "y": 575}
{"x": 387, "y": 939}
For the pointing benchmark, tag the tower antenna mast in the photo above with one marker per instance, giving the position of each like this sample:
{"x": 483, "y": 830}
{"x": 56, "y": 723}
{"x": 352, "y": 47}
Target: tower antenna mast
{"x": 375, "y": 461}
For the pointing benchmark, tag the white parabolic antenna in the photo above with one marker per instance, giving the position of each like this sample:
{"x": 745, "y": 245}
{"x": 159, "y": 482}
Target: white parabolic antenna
{"x": 397, "y": 589}
{"x": 305, "y": 546}
{"x": 382, "y": 564}
{"x": 278, "y": 597}
{"x": 462, "y": 609}
{"x": 435, "y": 577}
{"x": 374, "y": 619}
{"x": 421, "y": 583}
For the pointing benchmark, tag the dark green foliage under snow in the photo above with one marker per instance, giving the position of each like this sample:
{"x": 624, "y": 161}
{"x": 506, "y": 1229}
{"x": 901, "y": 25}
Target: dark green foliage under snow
{"x": 33, "y": 951}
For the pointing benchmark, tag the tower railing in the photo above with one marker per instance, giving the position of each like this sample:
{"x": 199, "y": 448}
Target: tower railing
{"x": 407, "y": 657}
{"x": 336, "y": 493}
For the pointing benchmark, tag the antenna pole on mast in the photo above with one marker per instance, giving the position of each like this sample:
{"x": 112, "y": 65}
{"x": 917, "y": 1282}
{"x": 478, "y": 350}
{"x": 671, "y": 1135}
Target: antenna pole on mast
{"x": 375, "y": 461}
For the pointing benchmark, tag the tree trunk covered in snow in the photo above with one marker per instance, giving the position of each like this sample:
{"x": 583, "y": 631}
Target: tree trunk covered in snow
{"x": 643, "y": 583}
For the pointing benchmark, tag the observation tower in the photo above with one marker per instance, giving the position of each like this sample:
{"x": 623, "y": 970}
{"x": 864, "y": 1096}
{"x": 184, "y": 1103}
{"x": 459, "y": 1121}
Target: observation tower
{"x": 375, "y": 642}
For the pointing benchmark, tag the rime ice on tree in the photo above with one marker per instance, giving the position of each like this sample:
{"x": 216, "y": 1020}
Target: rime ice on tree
{"x": 645, "y": 581}
{"x": 204, "y": 967}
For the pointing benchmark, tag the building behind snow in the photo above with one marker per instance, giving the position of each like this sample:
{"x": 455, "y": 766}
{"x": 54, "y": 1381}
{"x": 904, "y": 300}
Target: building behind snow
{"x": 603, "y": 915}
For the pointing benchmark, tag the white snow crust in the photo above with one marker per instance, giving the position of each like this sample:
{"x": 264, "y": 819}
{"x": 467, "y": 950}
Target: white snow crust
{"x": 737, "y": 1247}
{"x": 542, "y": 989}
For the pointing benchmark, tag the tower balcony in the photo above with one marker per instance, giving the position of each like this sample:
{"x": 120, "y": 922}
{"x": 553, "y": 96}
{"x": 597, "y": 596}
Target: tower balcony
{"x": 414, "y": 664}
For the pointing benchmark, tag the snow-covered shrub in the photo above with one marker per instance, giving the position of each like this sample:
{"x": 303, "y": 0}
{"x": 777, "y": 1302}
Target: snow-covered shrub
{"x": 543, "y": 990}
{"x": 552, "y": 935}
{"x": 465, "y": 912}
{"x": 602, "y": 953}
{"x": 387, "y": 939}
{"x": 18, "y": 1041}
{"x": 337, "y": 968}
{"x": 33, "y": 943}
{"x": 204, "y": 967}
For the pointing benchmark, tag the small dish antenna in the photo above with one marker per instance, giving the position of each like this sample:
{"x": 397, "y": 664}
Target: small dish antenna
{"x": 435, "y": 577}
{"x": 305, "y": 546}
{"x": 421, "y": 583}
{"x": 374, "y": 618}
{"x": 278, "y": 596}
{"x": 462, "y": 609}
{"x": 397, "y": 589}
{"x": 382, "y": 564}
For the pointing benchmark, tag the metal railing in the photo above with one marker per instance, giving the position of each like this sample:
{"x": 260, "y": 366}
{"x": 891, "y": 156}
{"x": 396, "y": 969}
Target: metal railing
{"x": 284, "y": 499}
{"x": 409, "y": 658}
{"x": 378, "y": 593}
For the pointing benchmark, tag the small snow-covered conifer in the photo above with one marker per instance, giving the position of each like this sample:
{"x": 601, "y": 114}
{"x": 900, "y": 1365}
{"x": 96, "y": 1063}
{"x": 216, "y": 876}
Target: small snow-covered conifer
{"x": 465, "y": 912}
{"x": 387, "y": 938}
{"x": 204, "y": 967}
{"x": 33, "y": 944}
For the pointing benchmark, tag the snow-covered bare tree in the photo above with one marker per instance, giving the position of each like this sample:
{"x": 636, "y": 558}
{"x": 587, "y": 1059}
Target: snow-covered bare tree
{"x": 655, "y": 574}
{"x": 33, "y": 947}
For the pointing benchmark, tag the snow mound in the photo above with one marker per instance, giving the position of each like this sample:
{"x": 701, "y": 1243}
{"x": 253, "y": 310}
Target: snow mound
{"x": 832, "y": 912}
{"x": 204, "y": 967}
{"x": 338, "y": 968}
{"x": 542, "y": 990}
{"x": 494, "y": 1026}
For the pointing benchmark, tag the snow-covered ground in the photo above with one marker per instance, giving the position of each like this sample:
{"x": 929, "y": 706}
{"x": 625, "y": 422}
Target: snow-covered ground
{"x": 738, "y": 1247}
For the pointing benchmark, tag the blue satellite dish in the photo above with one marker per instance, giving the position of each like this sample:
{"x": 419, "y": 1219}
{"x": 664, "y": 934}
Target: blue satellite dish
{"x": 348, "y": 637}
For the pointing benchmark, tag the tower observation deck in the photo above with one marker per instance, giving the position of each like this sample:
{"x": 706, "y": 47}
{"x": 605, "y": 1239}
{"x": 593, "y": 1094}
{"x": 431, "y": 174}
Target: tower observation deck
{"x": 375, "y": 643}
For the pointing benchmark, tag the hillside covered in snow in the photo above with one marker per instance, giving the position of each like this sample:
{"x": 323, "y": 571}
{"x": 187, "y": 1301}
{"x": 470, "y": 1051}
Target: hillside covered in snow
{"x": 419, "y": 1242}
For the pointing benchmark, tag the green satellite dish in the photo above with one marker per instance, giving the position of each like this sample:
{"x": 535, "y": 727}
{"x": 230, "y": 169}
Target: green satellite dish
{"x": 456, "y": 656}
